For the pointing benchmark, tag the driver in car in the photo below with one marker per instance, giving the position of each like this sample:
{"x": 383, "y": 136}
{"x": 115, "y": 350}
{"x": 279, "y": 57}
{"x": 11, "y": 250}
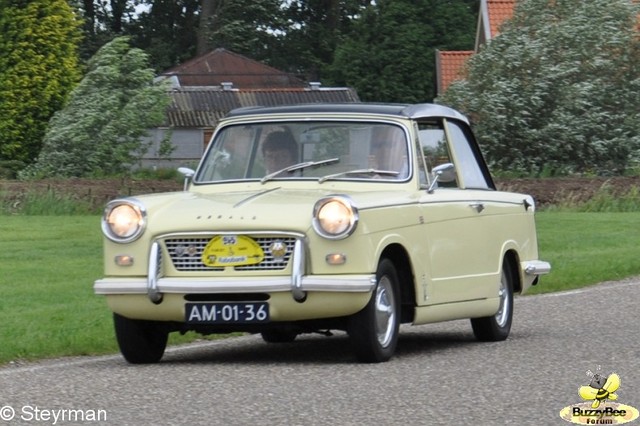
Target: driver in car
{"x": 279, "y": 151}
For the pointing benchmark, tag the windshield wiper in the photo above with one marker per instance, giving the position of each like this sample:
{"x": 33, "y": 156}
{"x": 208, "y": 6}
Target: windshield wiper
{"x": 359, "y": 172}
{"x": 299, "y": 166}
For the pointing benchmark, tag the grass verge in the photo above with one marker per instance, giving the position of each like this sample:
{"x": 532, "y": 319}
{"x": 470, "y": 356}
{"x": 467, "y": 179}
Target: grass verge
{"x": 587, "y": 248}
{"x": 49, "y": 264}
{"x": 47, "y": 268}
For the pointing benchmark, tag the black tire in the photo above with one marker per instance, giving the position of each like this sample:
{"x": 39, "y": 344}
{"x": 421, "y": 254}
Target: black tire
{"x": 140, "y": 342}
{"x": 279, "y": 336}
{"x": 498, "y": 326}
{"x": 374, "y": 330}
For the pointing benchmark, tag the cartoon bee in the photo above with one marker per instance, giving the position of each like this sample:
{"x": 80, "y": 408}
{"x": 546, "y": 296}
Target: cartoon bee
{"x": 600, "y": 389}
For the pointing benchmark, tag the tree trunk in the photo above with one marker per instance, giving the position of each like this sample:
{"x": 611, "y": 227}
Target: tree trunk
{"x": 118, "y": 8}
{"x": 207, "y": 15}
{"x": 90, "y": 15}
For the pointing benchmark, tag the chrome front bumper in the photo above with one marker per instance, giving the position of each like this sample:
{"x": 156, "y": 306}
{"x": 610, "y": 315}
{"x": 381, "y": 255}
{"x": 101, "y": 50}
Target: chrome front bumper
{"x": 333, "y": 283}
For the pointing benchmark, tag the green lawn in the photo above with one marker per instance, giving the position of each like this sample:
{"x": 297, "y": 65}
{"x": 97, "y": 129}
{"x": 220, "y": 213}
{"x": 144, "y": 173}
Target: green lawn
{"x": 587, "y": 248}
{"x": 47, "y": 306}
{"x": 48, "y": 265}
{"x": 47, "y": 268}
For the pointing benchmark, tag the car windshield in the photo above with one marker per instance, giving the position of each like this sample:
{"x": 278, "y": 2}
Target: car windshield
{"x": 301, "y": 150}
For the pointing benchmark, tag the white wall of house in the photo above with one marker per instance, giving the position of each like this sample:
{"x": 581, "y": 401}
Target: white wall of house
{"x": 188, "y": 147}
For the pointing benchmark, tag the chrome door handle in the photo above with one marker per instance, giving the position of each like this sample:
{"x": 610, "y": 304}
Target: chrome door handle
{"x": 477, "y": 207}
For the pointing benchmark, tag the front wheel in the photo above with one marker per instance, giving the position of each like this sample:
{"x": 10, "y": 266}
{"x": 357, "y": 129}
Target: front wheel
{"x": 498, "y": 326}
{"x": 140, "y": 342}
{"x": 374, "y": 330}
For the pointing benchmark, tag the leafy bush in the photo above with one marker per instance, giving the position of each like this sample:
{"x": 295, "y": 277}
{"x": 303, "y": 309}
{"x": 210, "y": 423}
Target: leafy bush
{"x": 9, "y": 168}
{"x": 100, "y": 131}
{"x": 556, "y": 91}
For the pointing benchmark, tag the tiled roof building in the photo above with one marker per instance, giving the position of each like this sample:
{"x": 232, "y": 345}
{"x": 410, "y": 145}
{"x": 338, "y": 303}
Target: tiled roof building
{"x": 201, "y": 106}
{"x": 221, "y": 66}
{"x": 450, "y": 64}
{"x": 492, "y": 15}
{"x": 206, "y": 88}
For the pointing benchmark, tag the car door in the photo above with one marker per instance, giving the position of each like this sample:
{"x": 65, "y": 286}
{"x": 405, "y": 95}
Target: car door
{"x": 458, "y": 217}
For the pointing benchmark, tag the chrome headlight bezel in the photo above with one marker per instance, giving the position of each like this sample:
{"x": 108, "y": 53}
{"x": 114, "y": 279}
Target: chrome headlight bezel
{"x": 335, "y": 217}
{"x": 135, "y": 226}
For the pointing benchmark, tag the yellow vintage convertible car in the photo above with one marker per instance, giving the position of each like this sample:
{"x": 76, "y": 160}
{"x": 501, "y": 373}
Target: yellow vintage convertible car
{"x": 355, "y": 217}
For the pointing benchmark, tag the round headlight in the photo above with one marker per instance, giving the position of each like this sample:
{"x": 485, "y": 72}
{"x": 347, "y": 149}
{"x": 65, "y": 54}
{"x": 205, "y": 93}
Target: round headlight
{"x": 123, "y": 221}
{"x": 335, "y": 217}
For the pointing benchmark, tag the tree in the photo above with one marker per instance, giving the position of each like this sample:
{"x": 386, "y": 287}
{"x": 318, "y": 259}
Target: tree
{"x": 103, "y": 20}
{"x": 312, "y": 31}
{"x": 100, "y": 131}
{"x": 167, "y": 31}
{"x": 248, "y": 27}
{"x": 295, "y": 36}
{"x": 298, "y": 36}
{"x": 557, "y": 90}
{"x": 38, "y": 68}
{"x": 390, "y": 54}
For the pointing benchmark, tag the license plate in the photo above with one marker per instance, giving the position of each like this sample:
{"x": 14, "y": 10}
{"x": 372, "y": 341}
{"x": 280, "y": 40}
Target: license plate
{"x": 227, "y": 313}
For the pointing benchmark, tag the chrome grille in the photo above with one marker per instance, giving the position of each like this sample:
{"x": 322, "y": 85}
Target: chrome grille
{"x": 186, "y": 254}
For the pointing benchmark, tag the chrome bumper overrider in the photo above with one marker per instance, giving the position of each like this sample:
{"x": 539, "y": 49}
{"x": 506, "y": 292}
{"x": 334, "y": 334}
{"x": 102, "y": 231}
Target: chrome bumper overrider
{"x": 536, "y": 267}
{"x": 155, "y": 285}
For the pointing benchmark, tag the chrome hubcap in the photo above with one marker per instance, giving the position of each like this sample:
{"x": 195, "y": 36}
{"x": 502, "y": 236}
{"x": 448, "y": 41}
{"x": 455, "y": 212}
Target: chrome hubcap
{"x": 385, "y": 312}
{"x": 505, "y": 305}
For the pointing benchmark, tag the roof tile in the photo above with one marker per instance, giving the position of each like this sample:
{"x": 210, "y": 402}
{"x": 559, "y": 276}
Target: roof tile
{"x": 450, "y": 67}
{"x": 203, "y": 107}
{"x": 220, "y": 66}
{"x": 499, "y": 11}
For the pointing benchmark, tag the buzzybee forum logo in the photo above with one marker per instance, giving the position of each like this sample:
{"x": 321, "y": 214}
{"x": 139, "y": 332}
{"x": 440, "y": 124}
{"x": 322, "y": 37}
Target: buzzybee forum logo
{"x": 600, "y": 408}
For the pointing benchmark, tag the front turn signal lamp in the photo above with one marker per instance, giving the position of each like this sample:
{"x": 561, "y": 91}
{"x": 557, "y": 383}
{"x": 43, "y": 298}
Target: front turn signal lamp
{"x": 335, "y": 217}
{"x": 124, "y": 220}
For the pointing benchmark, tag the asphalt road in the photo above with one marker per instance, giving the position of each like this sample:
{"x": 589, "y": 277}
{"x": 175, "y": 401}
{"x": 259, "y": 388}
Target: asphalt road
{"x": 440, "y": 375}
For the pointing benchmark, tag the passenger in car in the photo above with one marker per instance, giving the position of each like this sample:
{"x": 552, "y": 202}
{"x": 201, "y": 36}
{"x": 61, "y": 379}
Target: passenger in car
{"x": 389, "y": 151}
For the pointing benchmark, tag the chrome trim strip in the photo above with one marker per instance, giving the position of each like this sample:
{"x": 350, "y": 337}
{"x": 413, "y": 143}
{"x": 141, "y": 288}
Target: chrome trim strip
{"x": 333, "y": 283}
{"x": 216, "y": 232}
{"x": 536, "y": 267}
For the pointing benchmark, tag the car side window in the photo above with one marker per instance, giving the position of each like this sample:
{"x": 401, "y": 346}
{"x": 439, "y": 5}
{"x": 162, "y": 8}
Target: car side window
{"x": 435, "y": 152}
{"x": 467, "y": 161}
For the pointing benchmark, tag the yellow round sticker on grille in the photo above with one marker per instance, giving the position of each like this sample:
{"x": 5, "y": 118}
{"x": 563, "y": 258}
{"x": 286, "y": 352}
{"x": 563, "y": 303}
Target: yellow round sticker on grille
{"x": 232, "y": 250}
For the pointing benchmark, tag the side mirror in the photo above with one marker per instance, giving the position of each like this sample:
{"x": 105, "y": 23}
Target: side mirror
{"x": 188, "y": 175}
{"x": 442, "y": 173}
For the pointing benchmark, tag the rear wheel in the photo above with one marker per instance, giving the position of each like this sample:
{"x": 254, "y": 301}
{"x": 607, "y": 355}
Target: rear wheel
{"x": 498, "y": 326}
{"x": 140, "y": 342}
{"x": 374, "y": 330}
